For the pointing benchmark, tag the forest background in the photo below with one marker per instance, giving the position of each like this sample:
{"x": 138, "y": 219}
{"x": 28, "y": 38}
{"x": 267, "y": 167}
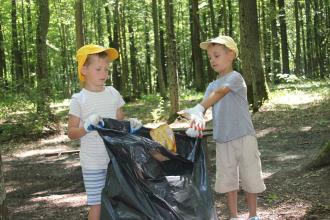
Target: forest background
{"x": 160, "y": 60}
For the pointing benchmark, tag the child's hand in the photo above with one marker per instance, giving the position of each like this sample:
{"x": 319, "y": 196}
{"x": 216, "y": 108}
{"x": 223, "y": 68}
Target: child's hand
{"x": 196, "y": 117}
{"x": 135, "y": 124}
{"x": 92, "y": 121}
{"x": 194, "y": 133}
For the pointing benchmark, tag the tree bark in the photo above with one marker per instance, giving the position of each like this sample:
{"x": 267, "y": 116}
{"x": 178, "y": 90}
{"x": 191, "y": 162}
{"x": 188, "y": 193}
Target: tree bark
{"x": 196, "y": 51}
{"x": 43, "y": 102}
{"x": 266, "y": 40}
{"x": 251, "y": 62}
{"x": 116, "y": 77}
{"x": 284, "y": 38}
{"x": 322, "y": 159}
{"x": 276, "y": 64}
{"x": 16, "y": 67}
{"x": 79, "y": 15}
{"x": 171, "y": 60}
{"x": 297, "y": 60}
{"x": 158, "y": 56}
{"x": 3, "y": 77}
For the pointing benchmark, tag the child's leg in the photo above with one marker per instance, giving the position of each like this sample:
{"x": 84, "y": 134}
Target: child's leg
{"x": 94, "y": 212}
{"x": 232, "y": 203}
{"x": 251, "y": 199}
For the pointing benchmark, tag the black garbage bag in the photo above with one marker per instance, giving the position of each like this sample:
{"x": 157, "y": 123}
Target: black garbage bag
{"x": 146, "y": 181}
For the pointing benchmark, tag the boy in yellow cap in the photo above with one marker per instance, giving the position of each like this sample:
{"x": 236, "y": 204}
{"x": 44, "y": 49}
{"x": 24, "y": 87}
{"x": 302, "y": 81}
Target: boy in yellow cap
{"x": 87, "y": 108}
{"x": 237, "y": 155}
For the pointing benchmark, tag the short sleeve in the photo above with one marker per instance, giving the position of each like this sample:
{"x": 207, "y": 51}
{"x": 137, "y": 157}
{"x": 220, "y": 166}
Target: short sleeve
{"x": 234, "y": 82}
{"x": 120, "y": 101}
{"x": 75, "y": 108}
{"x": 208, "y": 91}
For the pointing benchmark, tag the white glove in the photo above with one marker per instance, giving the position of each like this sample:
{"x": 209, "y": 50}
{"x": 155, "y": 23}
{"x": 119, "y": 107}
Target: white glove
{"x": 135, "y": 124}
{"x": 92, "y": 121}
{"x": 197, "y": 117}
{"x": 193, "y": 133}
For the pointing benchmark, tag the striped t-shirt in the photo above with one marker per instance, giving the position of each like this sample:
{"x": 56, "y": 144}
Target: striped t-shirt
{"x": 93, "y": 154}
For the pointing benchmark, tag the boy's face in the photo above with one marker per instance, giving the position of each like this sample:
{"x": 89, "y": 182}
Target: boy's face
{"x": 221, "y": 58}
{"x": 96, "y": 72}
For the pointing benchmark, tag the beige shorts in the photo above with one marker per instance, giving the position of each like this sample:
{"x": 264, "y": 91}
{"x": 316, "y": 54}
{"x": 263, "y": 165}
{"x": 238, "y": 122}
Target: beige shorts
{"x": 239, "y": 159}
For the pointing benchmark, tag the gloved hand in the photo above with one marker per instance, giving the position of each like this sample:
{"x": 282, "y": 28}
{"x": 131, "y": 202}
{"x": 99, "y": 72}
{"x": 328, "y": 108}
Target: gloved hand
{"x": 197, "y": 117}
{"x": 194, "y": 133}
{"x": 135, "y": 124}
{"x": 92, "y": 121}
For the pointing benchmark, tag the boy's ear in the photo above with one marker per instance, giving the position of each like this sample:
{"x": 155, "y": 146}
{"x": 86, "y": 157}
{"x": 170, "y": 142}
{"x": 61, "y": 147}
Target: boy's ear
{"x": 83, "y": 70}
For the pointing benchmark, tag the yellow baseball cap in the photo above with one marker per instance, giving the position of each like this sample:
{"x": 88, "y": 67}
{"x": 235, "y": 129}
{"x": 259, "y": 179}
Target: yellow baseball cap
{"x": 223, "y": 40}
{"x": 86, "y": 50}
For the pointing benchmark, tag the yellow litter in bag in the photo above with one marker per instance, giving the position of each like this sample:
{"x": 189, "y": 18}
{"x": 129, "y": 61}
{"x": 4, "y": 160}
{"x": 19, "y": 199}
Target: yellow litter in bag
{"x": 165, "y": 136}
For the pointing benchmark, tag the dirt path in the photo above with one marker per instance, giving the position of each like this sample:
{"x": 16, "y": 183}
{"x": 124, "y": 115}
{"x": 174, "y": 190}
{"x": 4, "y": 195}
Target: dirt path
{"x": 40, "y": 187}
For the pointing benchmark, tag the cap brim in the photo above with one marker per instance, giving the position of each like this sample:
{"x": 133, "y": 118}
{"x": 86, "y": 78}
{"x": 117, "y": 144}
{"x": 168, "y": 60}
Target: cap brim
{"x": 112, "y": 53}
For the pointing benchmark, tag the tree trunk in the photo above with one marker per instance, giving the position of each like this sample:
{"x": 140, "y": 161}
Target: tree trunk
{"x": 147, "y": 85}
{"x": 224, "y": 18}
{"x": 276, "y": 64}
{"x": 215, "y": 30}
{"x": 43, "y": 102}
{"x": 284, "y": 38}
{"x": 158, "y": 56}
{"x": 320, "y": 69}
{"x": 79, "y": 11}
{"x": 230, "y": 18}
{"x": 309, "y": 40}
{"x": 3, "y": 77}
{"x": 124, "y": 82}
{"x": 251, "y": 62}
{"x": 3, "y": 204}
{"x": 297, "y": 60}
{"x": 162, "y": 41}
{"x": 266, "y": 40}
{"x": 171, "y": 60}
{"x": 116, "y": 77}
{"x": 16, "y": 67}
{"x": 133, "y": 51}
{"x": 196, "y": 51}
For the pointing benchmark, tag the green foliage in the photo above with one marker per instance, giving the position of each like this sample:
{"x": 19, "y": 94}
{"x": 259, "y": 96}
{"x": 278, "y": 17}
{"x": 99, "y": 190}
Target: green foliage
{"x": 19, "y": 120}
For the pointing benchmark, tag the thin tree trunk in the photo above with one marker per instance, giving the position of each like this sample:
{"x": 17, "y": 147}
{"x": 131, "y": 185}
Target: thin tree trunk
{"x": 3, "y": 77}
{"x": 116, "y": 77}
{"x": 133, "y": 51}
{"x": 276, "y": 64}
{"x": 43, "y": 102}
{"x": 266, "y": 40}
{"x": 297, "y": 60}
{"x": 215, "y": 30}
{"x": 251, "y": 62}
{"x": 196, "y": 51}
{"x": 124, "y": 82}
{"x": 171, "y": 60}
{"x": 284, "y": 40}
{"x": 225, "y": 20}
{"x": 309, "y": 40}
{"x": 79, "y": 11}
{"x": 147, "y": 85}
{"x": 17, "y": 71}
{"x": 318, "y": 41}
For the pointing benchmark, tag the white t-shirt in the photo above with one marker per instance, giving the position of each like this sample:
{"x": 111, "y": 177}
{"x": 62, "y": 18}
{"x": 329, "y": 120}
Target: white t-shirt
{"x": 93, "y": 154}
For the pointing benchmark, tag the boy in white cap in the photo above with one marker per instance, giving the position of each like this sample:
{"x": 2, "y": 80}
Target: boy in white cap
{"x": 87, "y": 108}
{"x": 237, "y": 155}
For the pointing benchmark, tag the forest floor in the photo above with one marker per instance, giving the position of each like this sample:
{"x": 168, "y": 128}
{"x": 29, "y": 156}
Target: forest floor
{"x": 291, "y": 127}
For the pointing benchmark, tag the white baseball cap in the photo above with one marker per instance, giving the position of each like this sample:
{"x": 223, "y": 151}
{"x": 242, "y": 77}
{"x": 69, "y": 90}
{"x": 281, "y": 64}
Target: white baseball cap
{"x": 223, "y": 40}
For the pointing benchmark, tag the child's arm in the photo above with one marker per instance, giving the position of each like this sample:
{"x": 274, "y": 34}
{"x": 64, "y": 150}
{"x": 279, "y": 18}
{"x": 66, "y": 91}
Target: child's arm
{"x": 74, "y": 131}
{"x": 120, "y": 115}
{"x": 214, "y": 97}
